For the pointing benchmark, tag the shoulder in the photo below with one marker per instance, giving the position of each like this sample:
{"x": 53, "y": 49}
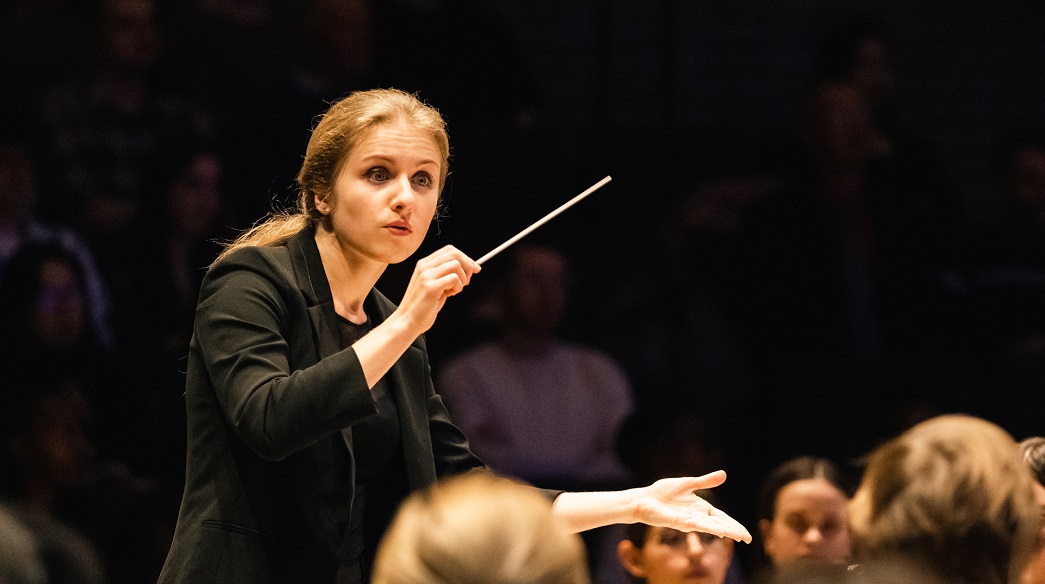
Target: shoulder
{"x": 259, "y": 269}
{"x": 481, "y": 358}
{"x": 259, "y": 259}
{"x": 587, "y": 353}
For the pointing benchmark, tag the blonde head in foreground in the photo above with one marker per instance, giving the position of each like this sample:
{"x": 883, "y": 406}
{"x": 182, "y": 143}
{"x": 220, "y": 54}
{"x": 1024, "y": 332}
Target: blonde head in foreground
{"x": 479, "y": 529}
{"x": 950, "y": 496}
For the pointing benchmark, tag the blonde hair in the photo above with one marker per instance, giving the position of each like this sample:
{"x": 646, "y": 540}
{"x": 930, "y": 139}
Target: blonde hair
{"x": 479, "y": 529}
{"x": 951, "y": 494}
{"x": 339, "y": 130}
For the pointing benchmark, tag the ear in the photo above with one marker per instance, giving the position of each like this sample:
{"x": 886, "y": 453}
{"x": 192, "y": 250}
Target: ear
{"x": 765, "y": 527}
{"x": 631, "y": 558}
{"x": 321, "y": 203}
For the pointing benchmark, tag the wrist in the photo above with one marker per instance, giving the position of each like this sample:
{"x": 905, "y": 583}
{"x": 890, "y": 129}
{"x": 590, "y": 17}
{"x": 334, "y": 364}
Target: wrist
{"x": 634, "y": 507}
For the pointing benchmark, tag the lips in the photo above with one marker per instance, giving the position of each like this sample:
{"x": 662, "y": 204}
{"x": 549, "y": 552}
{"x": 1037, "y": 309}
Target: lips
{"x": 401, "y": 227}
{"x": 697, "y": 573}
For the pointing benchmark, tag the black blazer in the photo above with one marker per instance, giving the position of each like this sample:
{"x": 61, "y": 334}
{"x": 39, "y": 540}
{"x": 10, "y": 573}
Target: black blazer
{"x": 270, "y": 400}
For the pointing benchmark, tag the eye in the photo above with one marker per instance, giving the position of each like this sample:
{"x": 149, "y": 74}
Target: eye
{"x": 377, "y": 174}
{"x": 708, "y": 539}
{"x": 672, "y": 538}
{"x": 797, "y": 524}
{"x": 829, "y": 528}
{"x": 424, "y": 179}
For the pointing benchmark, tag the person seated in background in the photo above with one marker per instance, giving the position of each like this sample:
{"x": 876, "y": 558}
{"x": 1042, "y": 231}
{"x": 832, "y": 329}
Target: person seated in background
{"x": 533, "y": 405}
{"x": 479, "y": 528}
{"x": 46, "y": 459}
{"x": 21, "y": 225}
{"x": 661, "y": 555}
{"x": 802, "y": 516}
{"x": 1033, "y": 450}
{"x": 45, "y": 327}
{"x": 1006, "y": 285}
{"x": 950, "y": 501}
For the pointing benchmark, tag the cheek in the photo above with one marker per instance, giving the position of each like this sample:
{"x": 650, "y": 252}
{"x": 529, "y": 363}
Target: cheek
{"x": 782, "y": 541}
{"x": 1035, "y": 572}
{"x": 666, "y": 563}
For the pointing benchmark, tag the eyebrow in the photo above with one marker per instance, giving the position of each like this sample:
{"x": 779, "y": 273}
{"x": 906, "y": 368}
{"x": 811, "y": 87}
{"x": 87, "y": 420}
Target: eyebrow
{"x": 390, "y": 159}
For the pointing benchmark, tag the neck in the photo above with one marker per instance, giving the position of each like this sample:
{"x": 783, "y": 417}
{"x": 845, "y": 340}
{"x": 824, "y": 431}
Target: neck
{"x": 350, "y": 275}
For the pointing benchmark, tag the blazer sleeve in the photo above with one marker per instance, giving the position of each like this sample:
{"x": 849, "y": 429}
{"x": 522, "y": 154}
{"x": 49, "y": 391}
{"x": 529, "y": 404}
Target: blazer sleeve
{"x": 241, "y": 332}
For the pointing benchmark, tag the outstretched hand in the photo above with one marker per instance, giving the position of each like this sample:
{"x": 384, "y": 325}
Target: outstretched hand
{"x": 672, "y": 503}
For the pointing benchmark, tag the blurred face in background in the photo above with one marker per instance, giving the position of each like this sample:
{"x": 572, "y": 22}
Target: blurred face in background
{"x": 130, "y": 35}
{"x": 675, "y": 557}
{"x": 538, "y": 290}
{"x": 59, "y": 314}
{"x": 873, "y": 70}
{"x": 1027, "y": 181}
{"x": 55, "y": 449}
{"x": 838, "y": 127}
{"x": 194, "y": 199}
{"x": 809, "y": 525}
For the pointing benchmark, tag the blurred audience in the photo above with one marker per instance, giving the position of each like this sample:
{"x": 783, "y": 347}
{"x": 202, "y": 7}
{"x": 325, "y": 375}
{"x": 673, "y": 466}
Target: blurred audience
{"x": 950, "y": 499}
{"x": 535, "y": 405}
{"x": 157, "y": 282}
{"x": 525, "y": 398}
{"x": 47, "y": 454}
{"x": 44, "y": 327}
{"x": 802, "y": 517}
{"x": 42, "y": 48}
{"x": 479, "y": 529}
{"x": 844, "y": 273}
{"x": 221, "y": 53}
{"x": 89, "y": 517}
{"x": 332, "y": 54}
{"x": 861, "y": 51}
{"x": 1006, "y": 285}
{"x": 21, "y": 225}
{"x": 96, "y": 134}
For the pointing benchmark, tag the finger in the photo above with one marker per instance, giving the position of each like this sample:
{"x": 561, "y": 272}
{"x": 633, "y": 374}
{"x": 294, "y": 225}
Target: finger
{"x": 721, "y": 525}
{"x": 448, "y": 251}
{"x": 737, "y": 531}
{"x": 452, "y": 266}
{"x": 448, "y": 285}
{"x": 708, "y": 481}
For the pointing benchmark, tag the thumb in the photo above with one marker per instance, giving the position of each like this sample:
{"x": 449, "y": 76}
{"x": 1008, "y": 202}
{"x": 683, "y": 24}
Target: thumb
{"x": 708, "y": 481}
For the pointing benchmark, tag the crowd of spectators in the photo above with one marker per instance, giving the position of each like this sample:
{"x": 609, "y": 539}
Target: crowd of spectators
{"x": 819, "y": 300}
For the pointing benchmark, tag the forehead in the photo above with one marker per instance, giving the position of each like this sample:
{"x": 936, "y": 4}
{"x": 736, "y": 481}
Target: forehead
{"x": 397, "y": 141}
{"x": 809, "y": 494}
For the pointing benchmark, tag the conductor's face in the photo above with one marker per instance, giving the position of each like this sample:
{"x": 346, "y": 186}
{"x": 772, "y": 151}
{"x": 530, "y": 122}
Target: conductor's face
{"x": 386, "y": 194}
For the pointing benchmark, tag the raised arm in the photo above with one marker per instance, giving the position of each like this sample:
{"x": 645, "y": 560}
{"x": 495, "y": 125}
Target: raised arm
{"x": 435, "y": 278}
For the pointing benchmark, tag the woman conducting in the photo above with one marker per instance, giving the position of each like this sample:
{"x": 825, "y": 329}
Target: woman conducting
{"x": 311, "y": 411}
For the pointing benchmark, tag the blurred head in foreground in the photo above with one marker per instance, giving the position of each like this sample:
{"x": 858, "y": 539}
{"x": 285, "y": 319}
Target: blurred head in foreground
{"x": 479, "y": 529}
{"x": 951, "y": 498}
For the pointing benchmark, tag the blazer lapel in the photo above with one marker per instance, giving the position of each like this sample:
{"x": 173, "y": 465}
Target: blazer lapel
{"x": 315, "y": 288}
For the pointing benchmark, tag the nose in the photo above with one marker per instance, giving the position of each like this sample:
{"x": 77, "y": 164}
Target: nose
{"x": 402, "y": 194}
{"x": 693, "y": 544}
{"x": 813, "y": 535}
